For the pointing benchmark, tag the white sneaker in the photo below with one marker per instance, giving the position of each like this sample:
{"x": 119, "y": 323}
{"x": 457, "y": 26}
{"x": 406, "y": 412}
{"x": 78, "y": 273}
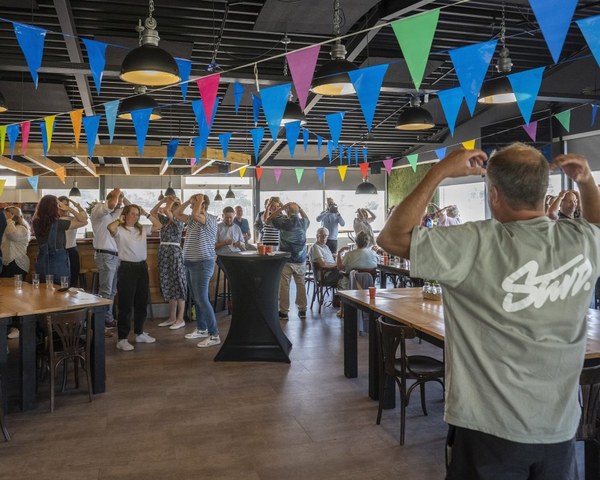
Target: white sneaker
{"x": 166, "y": 323}
{"x": 197, "y": 334}
{"x": 144, "y": 338}
{"x": 13, "y": 333}
{"x": 124, "y": 345}
{"x": 209, "y": 342}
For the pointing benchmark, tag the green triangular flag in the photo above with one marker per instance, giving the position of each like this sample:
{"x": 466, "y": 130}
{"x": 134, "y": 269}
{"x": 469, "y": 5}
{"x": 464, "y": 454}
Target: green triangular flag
{"x": 413, "y": 159}
{"x": 563, "y": 117}
{"x": 415, "y": 36}
{"x": 2, "y": 135}
{"x": 299, "y": 173}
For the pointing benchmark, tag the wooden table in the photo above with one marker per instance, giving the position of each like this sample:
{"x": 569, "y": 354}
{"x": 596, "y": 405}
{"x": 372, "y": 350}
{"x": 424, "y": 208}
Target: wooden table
{"x": 27, "y": 304}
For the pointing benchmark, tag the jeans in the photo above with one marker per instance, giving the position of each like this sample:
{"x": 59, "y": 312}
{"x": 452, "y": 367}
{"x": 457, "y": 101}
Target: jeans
{"x": 133, "y": 296}
{"x": 107, "y": 266}
{"x": 297, "y": 271}
{"x": 199, "y": 274}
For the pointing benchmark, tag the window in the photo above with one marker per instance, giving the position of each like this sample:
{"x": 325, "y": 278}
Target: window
{"x": 348, "y": 202}
{"x": 469, "y": 198}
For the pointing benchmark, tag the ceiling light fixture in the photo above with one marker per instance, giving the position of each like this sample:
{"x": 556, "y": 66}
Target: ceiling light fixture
{"x": 415, "y": 117}
{"x": 161, "y": 195}
{"x": 74, "y": 192}
{"x": 293, "y": 113}
{"x": 170, "y": 191}
{"x": 230, "y": 193}
{"x": 366, "y": 188}
{"x": 138, "y": 102}
{"x": 218, "y": 197}
{"x": 332, "y": 77}
{"x": 149, "y": 64}
{"x": 3, "y": 106}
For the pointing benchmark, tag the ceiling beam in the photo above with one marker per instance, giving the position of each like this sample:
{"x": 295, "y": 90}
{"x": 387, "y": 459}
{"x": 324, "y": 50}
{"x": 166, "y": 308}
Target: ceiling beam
{"x": 87, "y": 164}
{"x": 125, "y": 162}
{"x": 163, "y": 166}
{"x": 199, "y": 167}
{"x": 43, "y": 162}
{"x": 154, "y": 171}
{"x": 16, "y": 166}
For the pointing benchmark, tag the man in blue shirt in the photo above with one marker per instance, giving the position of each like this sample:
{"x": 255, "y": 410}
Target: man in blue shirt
{"x": 244, "y": 226}
{"x": 331, "y": 219}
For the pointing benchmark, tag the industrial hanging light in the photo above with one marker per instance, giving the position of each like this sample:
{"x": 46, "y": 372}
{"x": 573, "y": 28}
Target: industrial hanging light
{"x": 161, "y": 195}
{"x": 230, "y": 193}
{"x": 74, "y": 192}
{"x": 138, "y": 102}
{"x": 293, "y": 113}
{"x": 366, "y": 188}
{"x": 149, "y": 64}
{"x": 3, "y": 106}
{"x": 169, "y": 191}
{"x": 332, "y": 77}
{"x": 415, "y": 117}
{"x": 218, "y": 197}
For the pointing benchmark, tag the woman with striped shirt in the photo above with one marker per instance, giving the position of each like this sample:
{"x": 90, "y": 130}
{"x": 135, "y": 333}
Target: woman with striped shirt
{"x": 270, "y": 234}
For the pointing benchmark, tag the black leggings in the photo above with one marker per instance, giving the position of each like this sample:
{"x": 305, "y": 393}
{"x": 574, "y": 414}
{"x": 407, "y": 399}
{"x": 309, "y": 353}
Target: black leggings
{"x": 74, "y": 262}
{"x": 132, "y": 289}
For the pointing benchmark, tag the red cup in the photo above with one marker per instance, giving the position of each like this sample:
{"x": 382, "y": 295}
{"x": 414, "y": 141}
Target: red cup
{"x": 262, "y": 249}
{"x": 268, "y": 248}
{"x": 372, "y": 291}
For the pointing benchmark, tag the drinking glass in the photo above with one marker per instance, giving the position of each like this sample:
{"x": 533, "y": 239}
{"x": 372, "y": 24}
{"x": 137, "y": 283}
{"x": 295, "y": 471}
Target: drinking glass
{"x": 64, "y": 282}
{"x": 35, "y": 280}
{"x": 50, "y": 281}
{"x": 18, "y": 281}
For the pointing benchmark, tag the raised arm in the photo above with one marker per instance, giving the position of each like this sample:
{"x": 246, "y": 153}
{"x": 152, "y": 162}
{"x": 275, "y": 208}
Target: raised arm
{"x": 114, "y": 225}
{"x": 555, "y": 205}
{"x": 80, "y": 216}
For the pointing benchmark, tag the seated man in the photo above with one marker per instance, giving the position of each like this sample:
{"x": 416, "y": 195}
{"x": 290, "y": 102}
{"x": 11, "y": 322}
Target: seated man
{"x": 363, "y": 258}
{"x": 321, "y": 256}
{"x": 229, "y": 236}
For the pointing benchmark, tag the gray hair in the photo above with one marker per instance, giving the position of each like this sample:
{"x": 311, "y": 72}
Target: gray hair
{"x": 323, "y": 230}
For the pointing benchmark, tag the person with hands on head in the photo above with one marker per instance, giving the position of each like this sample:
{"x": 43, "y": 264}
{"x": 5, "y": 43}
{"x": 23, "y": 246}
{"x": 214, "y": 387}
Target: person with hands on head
{"x": 509, "y": 336}
{"x": 564, "y": 205}
{"x": 199, "y": 260}
{"x": 15, "y": 240}
{"x": 71, "y": 241}
{"x": 270, "y": 234}
{"x": 362, "y": 223}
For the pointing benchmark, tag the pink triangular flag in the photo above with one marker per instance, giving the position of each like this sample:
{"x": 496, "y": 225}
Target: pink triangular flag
{"x": 364, "y": 169}
{"x": 25, "y": 128}
{"x": 531, "y": 130}
{"x": 302, "y": 67}
{"x": 277, "y": 174}
{"x": 388, "y": 163}
{"x": 208, "y": 87}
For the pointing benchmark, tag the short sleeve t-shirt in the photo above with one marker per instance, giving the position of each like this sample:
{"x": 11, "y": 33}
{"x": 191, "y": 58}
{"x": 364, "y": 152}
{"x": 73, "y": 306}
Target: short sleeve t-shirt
{"x": 360, "y": 258}
{"x": 321, "y": 251}
{"x": 200, "y": 239}
{"x": 132, "y": 243}
{"x": 292, "y": 236}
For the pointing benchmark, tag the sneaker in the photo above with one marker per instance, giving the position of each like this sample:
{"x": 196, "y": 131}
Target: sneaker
{"x": 209, "y": 342}
{"x": 13, "y": 333}
{"x": 283, "y": 316}
{"x": 144, "y": 338}
{"x": 302, "y": 314}
{"x": 166, "y": 323}
{"x": 124, "y": 345}
{"x": 197, "y": 334}
{"x": 177, "y": 326}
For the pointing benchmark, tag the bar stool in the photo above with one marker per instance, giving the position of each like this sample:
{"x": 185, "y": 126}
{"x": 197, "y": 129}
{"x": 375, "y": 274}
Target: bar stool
{"x": 2, "y": 424}
{"x": 95, "y": 280}
{"x": 225, "y": 294}
{"x": 82, "y": 281}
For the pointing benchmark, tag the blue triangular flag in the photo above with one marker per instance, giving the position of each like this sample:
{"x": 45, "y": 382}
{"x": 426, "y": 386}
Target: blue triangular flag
{"x": 256, "y": 104}
{"x": 554, "y": 18}
{"x": 451, "y": 100}
{"x": 97, "y": 56}
{"x": 110, "y": 110}
{"x": 471, "y": 64}
{"x": 257, "y": 137}
{"x": 547, "y": 151}
{"x": 12, "y": 132}
{"x": 356, "y": 156}
{"x": 594, "y": 113}
{"x": 319, "y": 144}
{"x": 90, "y": 126}
{"x": 292, "y": 132}
{"x": 33, "y": 181}
{"x": 320, "y": 173}
{"x": 365, "y": 152}
{"x": 44, "y": 137}
{"x": 440, "y": 152}
{"x": 185, "y": 68}
{"x": 526, "y": 86}
{"x": 274, "y": 100}
{"x": 590, "y": 28}
{"x": 334, "y": 120}
{"x": 349, "y": 156}
{"x": 198, "y": 109}
{"x": 238, "y": 93}
{"x": 224, "y": 141}
{"x": 305, "y": 134}
{"x": 330, "y": 150}
{"x": 199, "y": 146}
{"x": 341, "y": 154}
{"x": 141, "y": 119}
{"x": 31, "y": 40}
{"x": 367, "y": 83}
{"x": 171, "y": 149}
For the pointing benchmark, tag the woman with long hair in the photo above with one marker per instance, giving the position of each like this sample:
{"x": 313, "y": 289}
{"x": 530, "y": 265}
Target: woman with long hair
{"x": 14, "y": 243}
{"x": 49, "y": 229}
{"x": 71, "y": 241}
{"x": 132, "y": 276}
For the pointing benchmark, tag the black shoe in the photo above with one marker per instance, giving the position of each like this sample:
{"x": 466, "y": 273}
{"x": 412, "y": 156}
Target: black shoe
{"x": 283, "y": 316}
{"x": 302, "y": 314}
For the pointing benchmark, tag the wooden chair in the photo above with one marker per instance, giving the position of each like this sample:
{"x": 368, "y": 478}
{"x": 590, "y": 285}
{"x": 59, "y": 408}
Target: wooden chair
{"x": 309, "y": 278}
{"x": 68, "y": 337}
{"x": 322, "y": 287}
{"x": 405, "y": 367}
{"x": 2, "y": 422}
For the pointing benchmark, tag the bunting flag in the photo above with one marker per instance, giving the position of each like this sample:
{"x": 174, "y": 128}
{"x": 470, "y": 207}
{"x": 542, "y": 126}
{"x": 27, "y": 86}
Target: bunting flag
{"x": 471, "y": 64}
{"x": 305, "y": 134}
{"x": 90, "y": 125}
{"x": 257, "y": 137}
{"x": 330, "y": 150}
{"x": 242, "y": 171}
{"x": 185, "y": 68}
{"x": 334, "y": 120}
{"x": 365, "y": 152}
{"x": 590, "y": 28}
{"x": 299, "y": 173}
{"x": 110, "y": 111}
{"x": 171, "y": 149}
{"x": 292, "y": 132}
{"x": 258, "y": 171}
{"x": 12, "y": 131}
{"x": 256, "y": 104}
{"x": 199, "y": 146}
{"x": 33, "y": 181}
{"x": 440, "y": 152}
{"x": 277, "y": 174}
{"x": 49, "y": 124}
{"x": 356, "y": 156}
{"x": 208, "y": 87}
{"x": 554, "y": 18}
{"x": 238, "y": 93}
{"x": 96, "y": 52}
{"x": 76, "y": 116}
{"x": 319, "y": 144}
{"x": 594, "y": 113}
{"x": 388, "y": 163}
{"x": 341, "y": 153}
{"x": 469, "y": 144}
{"x": 364, "y": 169}
{"x": 224, "y": 139}
{"x": 61, "y": 173}
{"x": 547, "y": 151}
{"x": 413, "y": 160}
{"x": 3, "y": 138}
{"x": 415, "y": 36}
{"x": 31, "y": 40}
{"x": 2, "y": 183}
{"x": 44, "y": 139}
{"x": 565, "y": 119}
{"x": 302, "y": 65}
{"x": 141, "y": 120}
{"x": 451, "y": 100}
{"x": 274, "y": 100}
{"x": 321, "y": 173}
{"x": 531, "y": 130}
{"x": 198, "y": 108}
{"x": 342, "y": 171}
{"x": 349, "y": 155}
{"x": 25, "y": 129}
{"x": 526, "y": 86}
{"x": 367, "y": 83}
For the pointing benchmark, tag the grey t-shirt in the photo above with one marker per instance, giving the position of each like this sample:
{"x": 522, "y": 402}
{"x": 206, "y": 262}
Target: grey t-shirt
{"x": 515, "y": 298}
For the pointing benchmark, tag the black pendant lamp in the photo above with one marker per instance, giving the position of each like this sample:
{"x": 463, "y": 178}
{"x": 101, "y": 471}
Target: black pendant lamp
{"x": 230, "y": 193}
{"x": 218, "y": 197}
{"x": 415, "y": 117}
{"x": 161, "y": 195}
{"x": 3, "y": 106}
{"x": 169, "y": 191}
{"x": 138, "y": 102}
{"x": 74, "y": 192}
{"x": 366, "y": 188}
{"x": 293, "y": 113}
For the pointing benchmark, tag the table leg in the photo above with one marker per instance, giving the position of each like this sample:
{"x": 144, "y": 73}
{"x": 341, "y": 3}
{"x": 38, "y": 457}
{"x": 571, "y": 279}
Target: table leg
{"x": 27, "y": 326}
{"x": 98, "y": 363}
{"x": 592, "y": 460}
{"x": 383, "y": 280}
{"x": 350, "y": 341}
{"x": 4, "y": 323}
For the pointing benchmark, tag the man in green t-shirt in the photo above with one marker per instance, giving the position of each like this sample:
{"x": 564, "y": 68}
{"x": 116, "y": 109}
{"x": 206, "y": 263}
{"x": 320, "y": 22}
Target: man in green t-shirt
{"x": 515, "y": 301}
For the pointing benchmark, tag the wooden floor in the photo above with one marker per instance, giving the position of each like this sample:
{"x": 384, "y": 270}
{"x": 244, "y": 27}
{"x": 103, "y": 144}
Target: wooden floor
{"x": 170, "y": 412}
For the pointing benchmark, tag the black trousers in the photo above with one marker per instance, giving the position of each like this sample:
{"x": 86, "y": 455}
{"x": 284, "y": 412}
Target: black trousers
{"x": 11, "y": 270}
{"x": 332, "y": 244}
{"x": 132, "y": 288}
{"x": 75, "y": 265}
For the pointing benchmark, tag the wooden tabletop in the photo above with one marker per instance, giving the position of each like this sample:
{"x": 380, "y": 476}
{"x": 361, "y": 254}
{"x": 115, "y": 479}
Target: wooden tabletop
{"x": 407, "y": 306}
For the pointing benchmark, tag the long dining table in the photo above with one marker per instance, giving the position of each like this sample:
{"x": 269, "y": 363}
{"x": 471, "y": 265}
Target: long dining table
{"x": 27, "y": 304}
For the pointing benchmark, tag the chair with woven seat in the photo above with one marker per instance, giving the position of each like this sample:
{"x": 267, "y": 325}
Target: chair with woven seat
{"x": 68, "y": 337}
{"x": 2, "y": 423}
{"x": 322, "y": 287}
{"x": 392, "y": 341}
{"x": 589, "y": 397}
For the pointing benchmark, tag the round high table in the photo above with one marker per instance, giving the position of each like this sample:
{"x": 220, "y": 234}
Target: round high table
{"x": 255, "y": 333}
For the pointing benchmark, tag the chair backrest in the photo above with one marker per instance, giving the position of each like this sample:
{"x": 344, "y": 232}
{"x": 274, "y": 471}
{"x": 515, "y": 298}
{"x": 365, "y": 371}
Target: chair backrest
{"x": 589, "y": 425}
{"x": 392, "y": 337}
{"x": 361, "y": 279}
{"x": 69, "y": 328}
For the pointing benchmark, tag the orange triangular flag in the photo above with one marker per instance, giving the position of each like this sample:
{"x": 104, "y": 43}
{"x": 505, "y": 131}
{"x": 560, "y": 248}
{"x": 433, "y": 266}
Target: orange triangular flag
{"x": 61, "y": 173}
{"x": 364, "y": 169}
{"x": 259, "y": 172}
{"x": 469, "y": 144}
{"x": 49, "y": 129}
{"x": 342, "y": 170}
{"x": 2, "y": 183}
{"x": 76, "y": 122}
{"x": 242, "y": 171}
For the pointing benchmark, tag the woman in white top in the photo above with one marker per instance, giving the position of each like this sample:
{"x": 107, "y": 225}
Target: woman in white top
{"x": 132, "y": 276}
{"x": 362, "y": 223}
{"x": 14, "y": 244}
{"x": 71, "y": 241}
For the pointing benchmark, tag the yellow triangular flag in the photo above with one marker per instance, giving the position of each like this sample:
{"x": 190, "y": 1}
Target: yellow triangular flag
{"x": 342, "y": 169}
{"x": 61, "y": 173}
{"x": 2, "y": 135}
{"x": 469, "y": 144}
{"x": 242, "y": 171}
{"x": 76, "y": 116}
{"x": 49, "y": 129}
{"x": 2, "y": 183}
